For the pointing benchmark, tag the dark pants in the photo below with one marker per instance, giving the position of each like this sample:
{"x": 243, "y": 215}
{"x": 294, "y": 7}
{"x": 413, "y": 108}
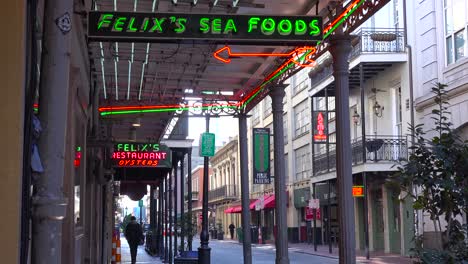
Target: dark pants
{"x": 232, "y": 233}
{"x": 133, "y": 251}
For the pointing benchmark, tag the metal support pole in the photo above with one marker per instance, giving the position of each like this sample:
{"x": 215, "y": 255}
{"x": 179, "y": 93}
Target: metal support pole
{"x": 189, "y": 205}
{"x": 176, "y": 178}
{"x": 277, "y": 94}
{"x": 330, "y": 250}
{"x": 364, "y": 158}
{"x": 171, "y": 208}
{"x": 182, "y": 202}
{"x": 166, "y": 219}
{"x": 244, "y": 174}
{"x": 204, "y": 251}
{"x": 159, "y": 228}
{"x": 49, "y": 203}
{"x": 315, "y": 219}
{"x": 340, "y": 49}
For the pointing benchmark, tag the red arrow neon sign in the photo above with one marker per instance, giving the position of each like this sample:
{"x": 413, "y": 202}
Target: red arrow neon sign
{"x": 296, "y": 52}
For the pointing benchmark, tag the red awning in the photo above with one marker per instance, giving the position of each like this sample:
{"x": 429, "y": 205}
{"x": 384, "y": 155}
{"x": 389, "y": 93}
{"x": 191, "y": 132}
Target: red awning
{"x": 237, "y": 209}
{"x": 269, "y": 201}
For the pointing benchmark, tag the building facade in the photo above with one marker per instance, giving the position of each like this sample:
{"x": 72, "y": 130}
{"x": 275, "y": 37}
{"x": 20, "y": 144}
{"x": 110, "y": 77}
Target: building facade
{"x": 440, "y": 55}
{"x": 224, "y": 186}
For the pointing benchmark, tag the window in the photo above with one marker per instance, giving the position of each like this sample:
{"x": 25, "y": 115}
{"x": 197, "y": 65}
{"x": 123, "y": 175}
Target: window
{"x": 266, "y": 106}
{"x": 301, "y": 86}
{"x": 255, "y": 115}
{"x": 285, "y": 128}
{"x": 301, "y": 118}
{"x": 456, "y": 22}
{"x": 302, "y": 158}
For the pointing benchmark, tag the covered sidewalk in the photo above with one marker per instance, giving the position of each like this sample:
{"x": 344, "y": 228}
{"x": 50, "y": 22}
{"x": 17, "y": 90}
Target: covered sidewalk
{"x": 142, "y": 255}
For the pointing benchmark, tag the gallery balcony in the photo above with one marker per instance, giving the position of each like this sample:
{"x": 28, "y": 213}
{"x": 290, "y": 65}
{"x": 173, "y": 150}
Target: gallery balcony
{"x": 377, "y": 49}
{"x": 226, "y": 192}
{"x": 194, "y": 196}
{"x": 381, "y": 152}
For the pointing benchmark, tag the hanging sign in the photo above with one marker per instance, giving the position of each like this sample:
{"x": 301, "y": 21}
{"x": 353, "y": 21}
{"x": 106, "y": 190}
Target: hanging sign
{"x": 314, "y": 203}
{"x": 261, "y": 157}
{"x": 320, "y": 127}
{"x": 207, "y": 145}
{"x": 358, "y": 191}
{"x": 176, "y": 27}
{"x": 141, "y": 155}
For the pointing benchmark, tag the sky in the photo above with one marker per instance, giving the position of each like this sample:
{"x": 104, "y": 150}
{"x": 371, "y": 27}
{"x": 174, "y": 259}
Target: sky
{"x": 223, "y": 128}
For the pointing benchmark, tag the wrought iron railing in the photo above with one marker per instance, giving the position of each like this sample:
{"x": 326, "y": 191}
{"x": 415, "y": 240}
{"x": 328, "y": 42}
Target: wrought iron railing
{"x": 223, "y": 192}
{"x": 378, "y": 149}
{"x": 365, "y": 41}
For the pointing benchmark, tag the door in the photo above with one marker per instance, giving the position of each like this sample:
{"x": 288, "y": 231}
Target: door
{"x": 377, "y": 219}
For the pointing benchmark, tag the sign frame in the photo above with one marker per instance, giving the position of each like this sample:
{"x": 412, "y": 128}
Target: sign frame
{"x": 218, "y": 28}
{"x": 261, "y": 156}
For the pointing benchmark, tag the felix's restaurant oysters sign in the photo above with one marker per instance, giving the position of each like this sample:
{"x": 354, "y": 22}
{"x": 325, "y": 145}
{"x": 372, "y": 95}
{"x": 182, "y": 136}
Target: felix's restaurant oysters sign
{"x": 175, "y": 27}
{"x": 141, "y": 155}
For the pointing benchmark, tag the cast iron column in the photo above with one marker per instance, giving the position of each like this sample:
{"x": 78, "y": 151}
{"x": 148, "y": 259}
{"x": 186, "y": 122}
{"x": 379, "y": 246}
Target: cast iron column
{"x": 49, "y": 203}
{"x": 166, "y": 219}
{"x": 204, "y": 251}
{"x": 244, "y": 174}
{"x": 176, "y": 176}
{"x": 340, "y": 49}
{"x": 171, "y": 208}
{"x": 182, "y": 201}
{"x": 159, "y": 227}
{"x": 189, "y": 205}
{"x": 277, "y": 93}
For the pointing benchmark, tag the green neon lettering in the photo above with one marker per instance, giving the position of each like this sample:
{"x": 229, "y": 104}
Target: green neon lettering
{"x": 300, "y": 27}
{"x": 130, "y": 27}
{"x": 216, "y": 26}
{"x": 253, "y": 21}
{"x": 204, "y": 27}
{"x": 145, "y": 25}
{"x": 230, "y": 26}
{"x": 268, "y": 26}
{"x": 284, "y": 27}
{"x": 315, "y": 30}
{"x": 126, "y": 147}
{"x": 180, "y": 25}
{"x": 118, "y": 25}
{"x": 105, "y": 18}
{"x": 157, "y": 25}
{"x": 132, "y": 148}
{"x": 119, "y": 147}
{"x": 144, "y": 147}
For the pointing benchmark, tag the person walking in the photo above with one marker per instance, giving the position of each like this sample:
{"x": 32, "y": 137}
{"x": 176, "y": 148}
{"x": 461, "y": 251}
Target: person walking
{"x": 133, "y": 234}
{"x": 231, "y": 230}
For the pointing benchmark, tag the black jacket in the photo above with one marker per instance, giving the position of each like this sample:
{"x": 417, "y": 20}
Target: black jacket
{"x": 133, "y": 233}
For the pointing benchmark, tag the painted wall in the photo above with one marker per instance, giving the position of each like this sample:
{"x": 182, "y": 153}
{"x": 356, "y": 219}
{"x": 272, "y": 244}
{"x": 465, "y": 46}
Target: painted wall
{"x": 12, "y": 72}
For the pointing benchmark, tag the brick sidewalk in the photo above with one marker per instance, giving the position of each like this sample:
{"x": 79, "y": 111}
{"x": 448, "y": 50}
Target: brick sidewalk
{"x": 375, "y": 257}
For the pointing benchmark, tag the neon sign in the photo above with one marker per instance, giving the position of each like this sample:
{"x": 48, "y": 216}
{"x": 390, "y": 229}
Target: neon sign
{"x": 141, "y": 155}
{"x": 77, "y": 160}
{"x": 174, "y": 27}
{"x": 358, "y": 191}
{"x": 319, "y": 134}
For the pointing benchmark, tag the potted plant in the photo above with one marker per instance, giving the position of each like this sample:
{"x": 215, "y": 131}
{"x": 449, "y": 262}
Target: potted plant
{"x": 220, "y": 233}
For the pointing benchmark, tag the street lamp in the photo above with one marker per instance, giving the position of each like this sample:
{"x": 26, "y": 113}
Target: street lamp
{"x": 356, "y": 118}
{"x": 378, "y": 109}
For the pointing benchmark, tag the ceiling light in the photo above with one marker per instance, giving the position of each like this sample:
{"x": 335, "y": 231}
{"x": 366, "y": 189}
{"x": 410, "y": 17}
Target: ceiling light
{"x": 137, "y": 122}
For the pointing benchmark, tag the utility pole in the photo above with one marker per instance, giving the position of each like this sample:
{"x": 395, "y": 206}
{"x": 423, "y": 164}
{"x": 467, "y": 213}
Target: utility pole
{"x": 49, "y": 203}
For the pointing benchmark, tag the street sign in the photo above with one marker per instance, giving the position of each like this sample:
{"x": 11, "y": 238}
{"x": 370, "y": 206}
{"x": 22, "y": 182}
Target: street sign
{"x": 261, "y": 157}
{"x": 314, "y": 203}
{"x": 218, "y": 28}
{"x": 260, "y": 204}
{"x": 358, "y": 191}
{"x": 309, "y": 214}
{"x": 207, "y": 145}
{"x": 140, "y": 203}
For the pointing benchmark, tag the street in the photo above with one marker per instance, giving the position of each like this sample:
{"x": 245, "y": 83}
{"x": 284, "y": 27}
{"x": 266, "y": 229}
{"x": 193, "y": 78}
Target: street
{"x": 228, "y": 252}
